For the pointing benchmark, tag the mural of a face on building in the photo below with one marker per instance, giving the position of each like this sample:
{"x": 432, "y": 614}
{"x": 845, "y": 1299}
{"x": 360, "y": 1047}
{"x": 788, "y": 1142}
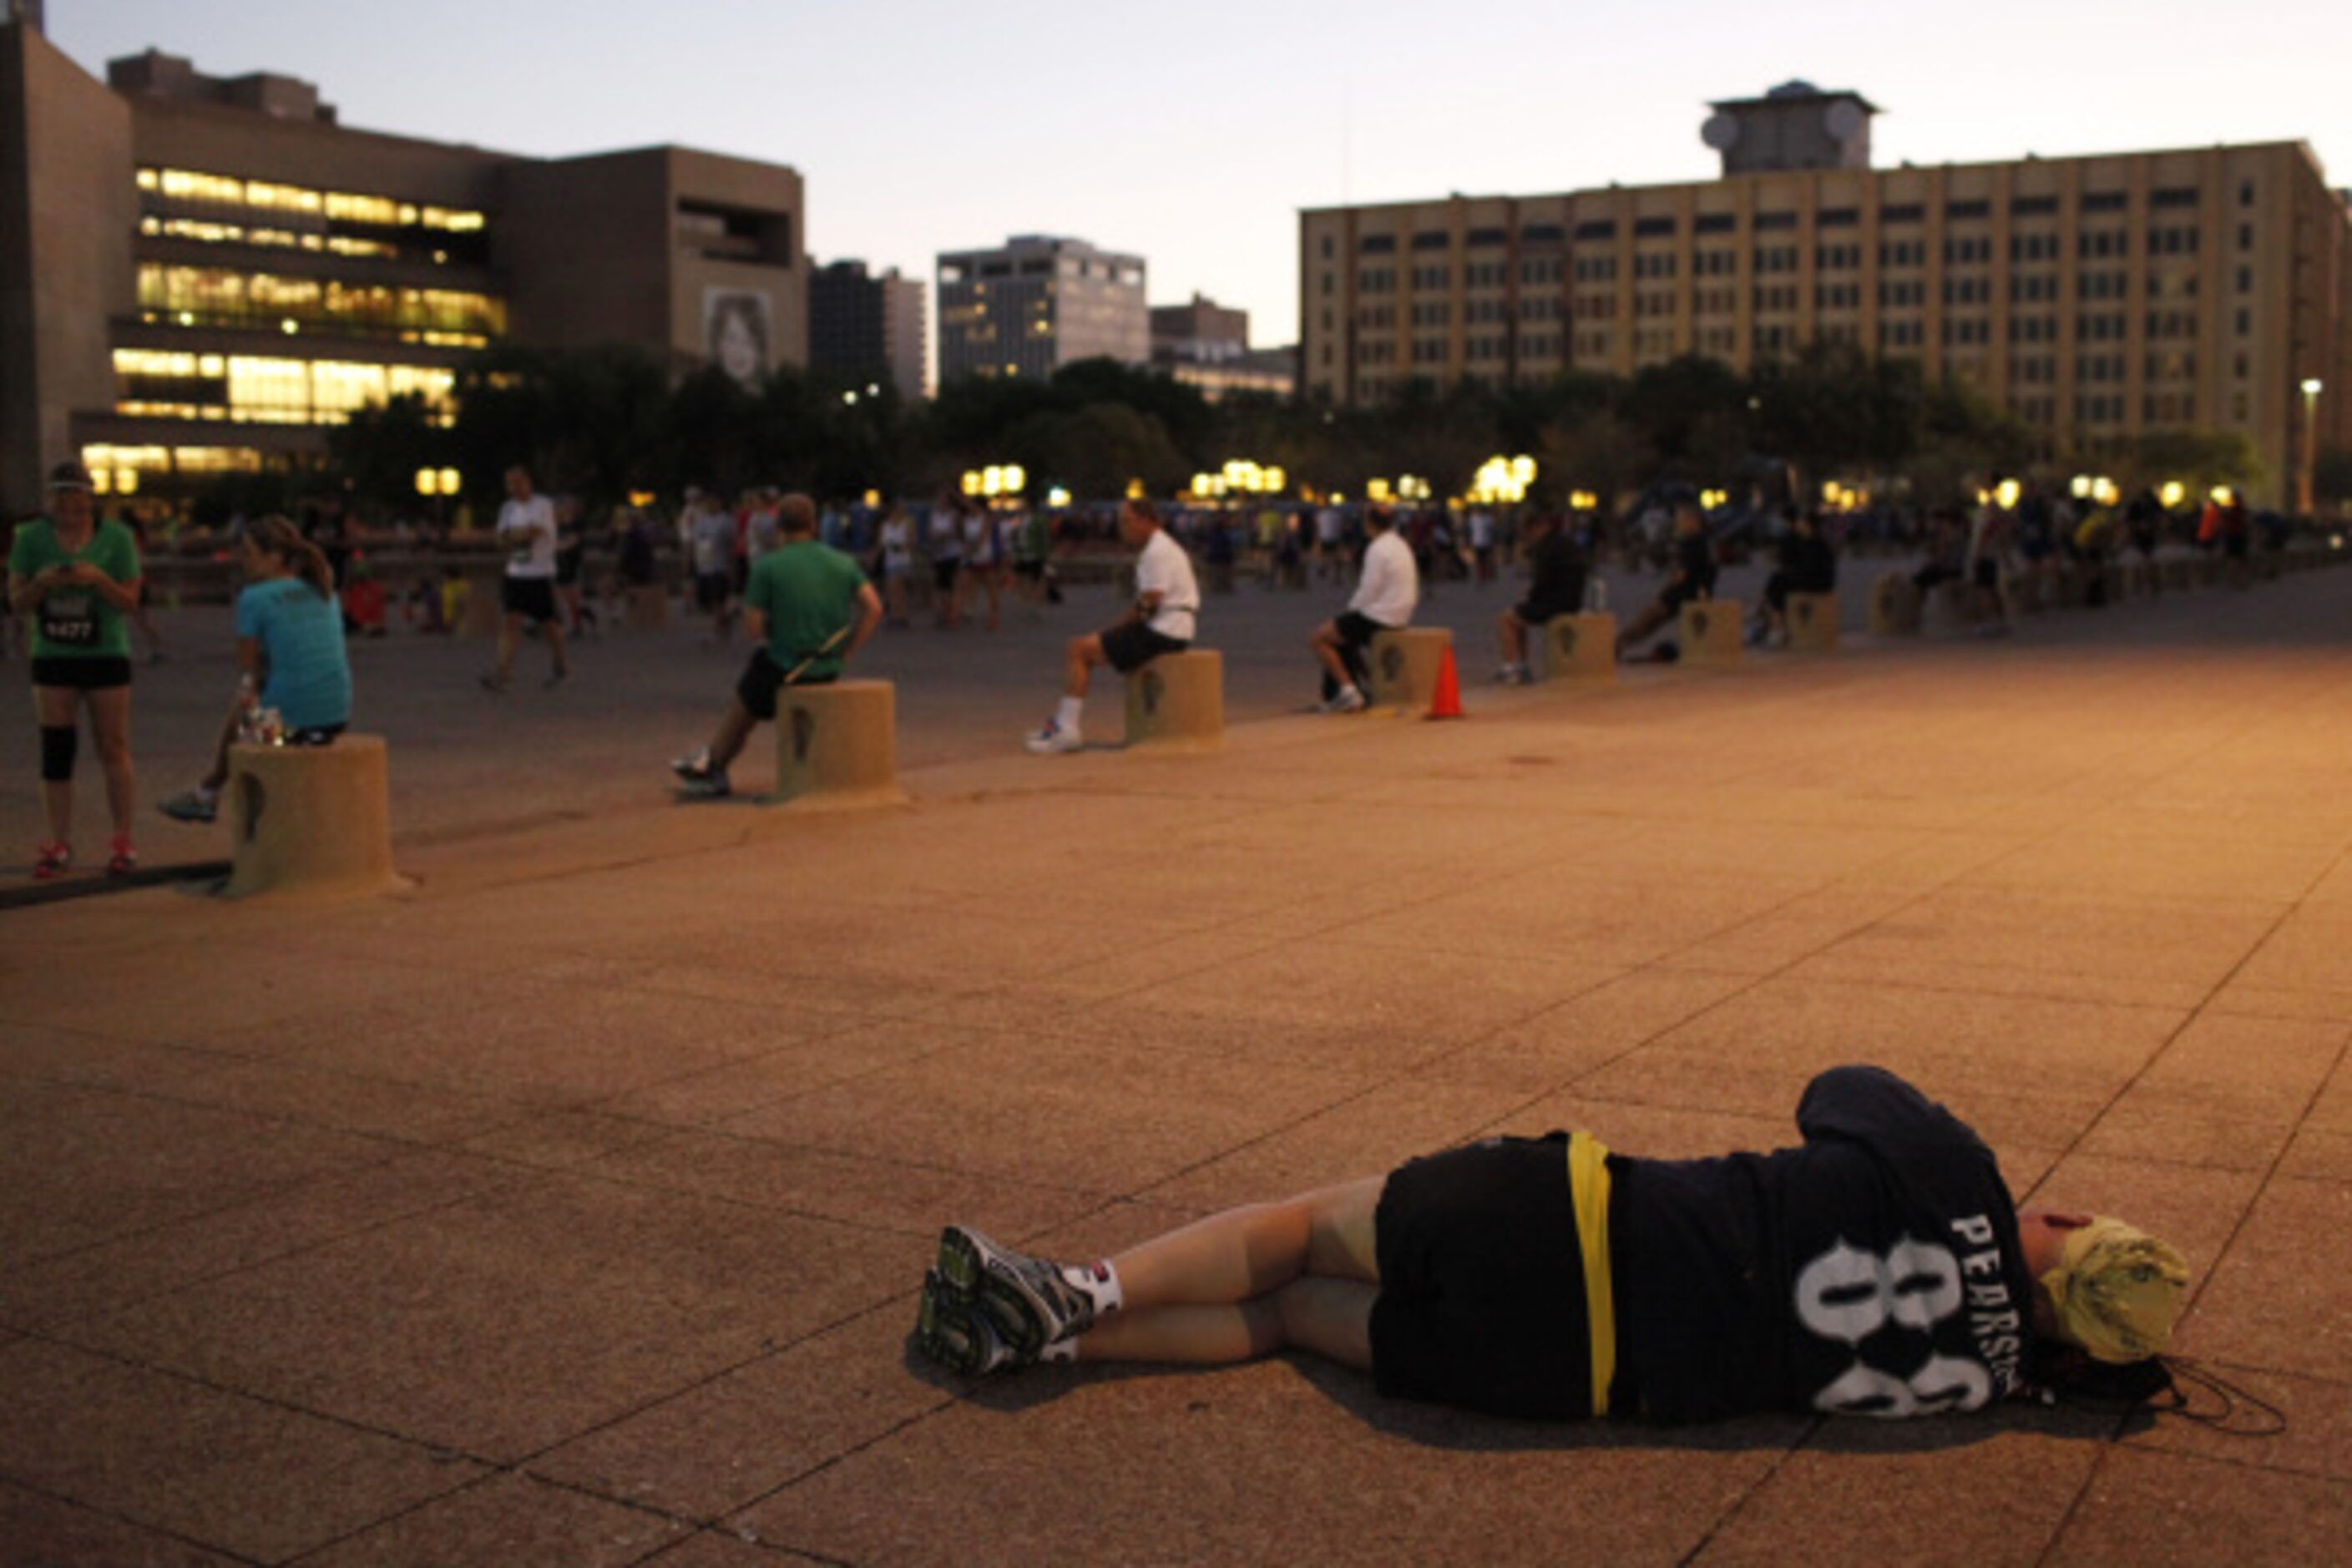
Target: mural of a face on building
{"x": 735, "y": 332}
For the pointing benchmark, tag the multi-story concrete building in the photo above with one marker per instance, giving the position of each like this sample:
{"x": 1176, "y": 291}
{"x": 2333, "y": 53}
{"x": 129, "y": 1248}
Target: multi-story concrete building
{"x": 861, "y": 325}
{"x": 1206, "y": 345}
{"x": 1036, "y": 304}
{"x": 201, "y": 276}
{"x": 2101, "y": 297}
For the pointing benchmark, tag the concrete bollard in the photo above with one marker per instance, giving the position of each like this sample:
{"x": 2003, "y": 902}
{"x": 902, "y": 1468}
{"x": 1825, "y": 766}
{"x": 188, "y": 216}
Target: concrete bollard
{"x": 837, "y": 746}
{"x": 1711, "y": 631}
{"x": 1178, "y": 701}
{"x": 648, "y": 607}
{"x": 1403, "y": 666}
{"x": 1894, "y": 607}
{"x": 1580, "y": 648}
{"x": 484, "y": 607}
{"x": 1813, "y": 623}
{"x": 313, "y": 822}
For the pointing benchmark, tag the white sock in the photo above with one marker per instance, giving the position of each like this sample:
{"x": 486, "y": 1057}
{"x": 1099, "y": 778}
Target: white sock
{"x": 1098, "y": 1281}
{"x": 1066, "y": 716}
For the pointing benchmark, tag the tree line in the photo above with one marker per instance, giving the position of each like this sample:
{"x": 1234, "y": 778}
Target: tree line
{"x": 608, "y": 422}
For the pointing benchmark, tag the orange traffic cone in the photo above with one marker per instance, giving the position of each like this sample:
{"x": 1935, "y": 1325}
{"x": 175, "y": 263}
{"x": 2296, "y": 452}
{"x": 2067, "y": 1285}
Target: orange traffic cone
{"x": 1445, "y": 702}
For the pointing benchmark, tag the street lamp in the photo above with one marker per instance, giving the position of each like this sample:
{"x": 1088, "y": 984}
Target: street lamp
{"x": 2311, "y": 389}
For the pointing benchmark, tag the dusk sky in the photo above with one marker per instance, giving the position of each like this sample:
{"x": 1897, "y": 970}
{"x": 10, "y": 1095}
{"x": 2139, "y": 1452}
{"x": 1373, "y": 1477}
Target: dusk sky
{"x": 1193, "y": 133}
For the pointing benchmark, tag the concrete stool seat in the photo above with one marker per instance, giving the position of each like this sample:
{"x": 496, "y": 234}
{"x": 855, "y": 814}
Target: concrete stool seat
{"x": 837, "y": 746}
{"x": 310, "y": 821}
{"x": 1712, "y": 632}
{"x": 484, "y": 607}
{"x": 1403, "y": 666}
{"x": 1813, "y": 623}
{"x": 1894, "y": 607}
{"x": 1580, "y": 648}
{"x": 648, "y": 607}
{"x": 1178, "y": 701}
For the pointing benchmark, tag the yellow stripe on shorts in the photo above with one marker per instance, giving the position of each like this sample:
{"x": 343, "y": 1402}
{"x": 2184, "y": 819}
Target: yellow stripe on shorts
{"x": 1588, "y": 1194}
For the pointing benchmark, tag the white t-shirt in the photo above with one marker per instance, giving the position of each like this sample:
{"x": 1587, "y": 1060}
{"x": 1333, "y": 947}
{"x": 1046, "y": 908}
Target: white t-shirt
{"x": 527, "y": 556}
{"x": 1164, "y": 569}
{"x": 714, "y": 541}
{"x": 1481, "y": 529}
{"x": 1391, "y": 587}
{"x": 897, "y": 545}
{"x": 979, "y": 539}
{"x": 760, "y": 534}
{"x": 1327, "y": 525}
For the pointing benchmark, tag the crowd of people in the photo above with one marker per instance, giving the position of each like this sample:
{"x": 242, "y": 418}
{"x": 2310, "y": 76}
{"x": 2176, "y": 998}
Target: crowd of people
{"x": 812, "y": 585}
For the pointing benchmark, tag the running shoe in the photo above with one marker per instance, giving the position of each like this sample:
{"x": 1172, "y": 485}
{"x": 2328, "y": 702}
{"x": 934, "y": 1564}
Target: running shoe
{"x": 1027, "y": 1299}
{"x": 121, "y": 859}
{"x": 51, "y": 861}
{"x": 1511, "y": 675}
{"x": 556, "y": 680}
{"x": 1053, "y": 738}
{"x": 955, "y": 1334}
{"x": 191, "y": 805}
{"x": 702, "y": 781}
{"x": 1346, "y": 700}
{"x": 495, "y": 682}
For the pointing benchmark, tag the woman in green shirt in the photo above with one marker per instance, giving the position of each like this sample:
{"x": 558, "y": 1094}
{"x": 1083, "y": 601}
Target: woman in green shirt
{"x": 78, "y": 580}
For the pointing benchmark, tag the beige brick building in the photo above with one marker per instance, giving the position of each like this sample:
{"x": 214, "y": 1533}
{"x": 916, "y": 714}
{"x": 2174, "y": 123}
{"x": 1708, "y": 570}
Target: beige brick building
{"x": 2101, "y": 297}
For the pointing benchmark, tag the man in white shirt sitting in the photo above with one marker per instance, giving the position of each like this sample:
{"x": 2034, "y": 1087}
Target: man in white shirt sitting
{"x": 1167, "y": 600}
{"x": 1384, "y": 600}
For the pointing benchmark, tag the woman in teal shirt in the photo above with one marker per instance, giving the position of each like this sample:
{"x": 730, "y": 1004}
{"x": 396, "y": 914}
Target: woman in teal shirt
{"x": 79, "y": 579}
{"x": 289, "y": 654}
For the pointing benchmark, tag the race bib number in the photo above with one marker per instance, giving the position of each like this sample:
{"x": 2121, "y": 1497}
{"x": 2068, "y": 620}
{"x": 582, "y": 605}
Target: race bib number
{"x": 70, "y": 620}
{"x": 1848, "y": 1294}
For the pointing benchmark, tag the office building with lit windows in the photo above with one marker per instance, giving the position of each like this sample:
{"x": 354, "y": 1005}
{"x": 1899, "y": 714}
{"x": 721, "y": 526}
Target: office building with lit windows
{"x": 203, "y": 275}
{"x": 2100, "y": 298}
{"x": 1036, "y": 304}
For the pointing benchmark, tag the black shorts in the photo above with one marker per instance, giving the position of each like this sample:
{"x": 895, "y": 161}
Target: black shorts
{"x": 1987, "y": 572}
{"x": 711, "y": 590}
{"x": 1675, "y": 596}
{"x": 533, "y": 598}
{"x": 1481, "y": 1287}
{"x": 1032, "y": 570}
{"x": 742, "y": 574}
{"x": 1537, "y": 615}
{"x": 2234, "y": 547}
{"x": 762, "y": 679}
{"x": 567, "y": 568}
{"x": 1131, "y": 645}
{"x": 1356, "y": 631}
{"x": 76, "y": 673}
{"x": 943, "y": 573}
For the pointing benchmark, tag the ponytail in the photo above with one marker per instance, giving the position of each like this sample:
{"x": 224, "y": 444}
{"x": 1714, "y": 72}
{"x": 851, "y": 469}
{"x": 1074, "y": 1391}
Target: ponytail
{"x": 283, "y": 540}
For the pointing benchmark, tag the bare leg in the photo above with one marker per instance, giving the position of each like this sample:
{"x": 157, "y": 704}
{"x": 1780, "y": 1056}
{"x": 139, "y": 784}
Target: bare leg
{"x": 1252, "y": 1280}
{"x": 553, "y": 631}
{"x": 1514, "y": 633}
{"x": 109, "y": 728}
{"x": 1078, "y": 662}
{"x": 1642, "y": 625}
{"x": 1327, "y": 647}
{"x": 509, "y": 633}
{"x": 58, "y": 708}
{"x": 218, "y": 774}
{"x": 733, "y": 731}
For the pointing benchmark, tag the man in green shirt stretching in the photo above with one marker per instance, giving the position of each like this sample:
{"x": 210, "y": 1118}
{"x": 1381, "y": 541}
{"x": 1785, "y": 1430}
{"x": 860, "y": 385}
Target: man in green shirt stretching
{"x": 810, "y": 609}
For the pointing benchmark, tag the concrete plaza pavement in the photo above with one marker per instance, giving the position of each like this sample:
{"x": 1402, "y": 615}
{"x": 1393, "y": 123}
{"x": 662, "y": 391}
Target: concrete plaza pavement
{"x": 571, "y": 1208}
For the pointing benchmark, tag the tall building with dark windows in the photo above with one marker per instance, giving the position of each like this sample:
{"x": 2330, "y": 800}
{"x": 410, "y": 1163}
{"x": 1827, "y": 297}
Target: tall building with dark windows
{"x": 203, "y": 275}
{"x": 864, "y": 325}
{"x": 2100, "y": 298}
{"x": 1036, "y": 304}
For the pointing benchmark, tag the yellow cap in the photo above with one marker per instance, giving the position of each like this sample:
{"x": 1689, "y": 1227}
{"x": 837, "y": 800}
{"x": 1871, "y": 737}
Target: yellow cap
{"x": 2117, "y": 1290}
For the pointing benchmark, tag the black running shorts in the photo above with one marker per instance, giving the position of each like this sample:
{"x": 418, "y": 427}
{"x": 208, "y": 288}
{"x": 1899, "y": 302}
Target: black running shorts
{"x": 79, "y": 672}
{"x": 1131, "y": 645}
{"x": 763, "y": 678}
{"x": 1482, "y": 1290}
{"x": 532, "y": 598}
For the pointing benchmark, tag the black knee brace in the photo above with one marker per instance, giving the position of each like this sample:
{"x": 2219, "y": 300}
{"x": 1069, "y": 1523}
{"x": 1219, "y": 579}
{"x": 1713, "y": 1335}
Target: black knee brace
{"x": 59, "y": 744}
